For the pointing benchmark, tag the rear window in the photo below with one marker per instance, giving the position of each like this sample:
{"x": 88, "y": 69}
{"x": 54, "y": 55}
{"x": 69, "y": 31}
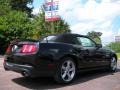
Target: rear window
{"x": 49, "y": 39}
{"x": 58, "y": 38}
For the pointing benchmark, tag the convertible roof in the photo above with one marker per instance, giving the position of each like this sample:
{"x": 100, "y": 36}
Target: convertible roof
{"x": 70, "y": 34}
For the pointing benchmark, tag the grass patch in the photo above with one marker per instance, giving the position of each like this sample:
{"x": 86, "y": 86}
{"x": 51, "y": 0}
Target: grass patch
{"x": 118, "y": 55}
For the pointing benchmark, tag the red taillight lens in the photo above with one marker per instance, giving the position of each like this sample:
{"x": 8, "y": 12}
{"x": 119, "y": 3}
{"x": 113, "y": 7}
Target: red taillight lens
{"x": 29, "y": 49}
{"x": 8, "y": 49}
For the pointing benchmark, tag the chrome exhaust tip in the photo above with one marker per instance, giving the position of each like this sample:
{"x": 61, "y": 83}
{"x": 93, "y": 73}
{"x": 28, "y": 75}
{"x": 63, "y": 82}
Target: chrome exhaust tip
{"x": 25, "y": 74}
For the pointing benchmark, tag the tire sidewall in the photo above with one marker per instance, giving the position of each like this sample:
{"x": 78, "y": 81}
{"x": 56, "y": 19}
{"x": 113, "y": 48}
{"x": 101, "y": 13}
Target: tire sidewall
{"x": 58, "y": 76}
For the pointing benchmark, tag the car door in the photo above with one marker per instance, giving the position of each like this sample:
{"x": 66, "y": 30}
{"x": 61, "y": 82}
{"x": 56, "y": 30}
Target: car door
{"x": 91, "y": 55}
{"x": 89, "y": 51}
{"x": 102, "y": 56}
{"x": 94, "y": 55}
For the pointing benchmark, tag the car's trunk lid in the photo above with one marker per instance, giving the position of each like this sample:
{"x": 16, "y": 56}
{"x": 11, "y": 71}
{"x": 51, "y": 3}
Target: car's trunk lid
{"x": 22, "y": 52}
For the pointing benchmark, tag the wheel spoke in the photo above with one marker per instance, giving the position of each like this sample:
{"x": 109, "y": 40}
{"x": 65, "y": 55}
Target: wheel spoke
{"x": 71, "y": 69}
{"x": 64, "y": 75}
{"x": 69, "y": 76}
{"x": 63, "y": 67}
{"x": 68, "y": 64}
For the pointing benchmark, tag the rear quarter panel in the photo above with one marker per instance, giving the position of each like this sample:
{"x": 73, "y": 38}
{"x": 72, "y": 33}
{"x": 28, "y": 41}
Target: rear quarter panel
{"x": 54, "y": 51}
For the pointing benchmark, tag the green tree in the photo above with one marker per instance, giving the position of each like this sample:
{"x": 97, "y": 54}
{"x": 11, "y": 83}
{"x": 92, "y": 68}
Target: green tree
{"x": 4, "y": 10}
{"x": 41, "y": 27}
{"x": 95, "y": 36}
{"x": 22, "y": 5}
{"x": 4, "y": 7}
{"x": 13, "y": 25}
{"x": 114, "y": 46}
{"x": 14, "y": 21}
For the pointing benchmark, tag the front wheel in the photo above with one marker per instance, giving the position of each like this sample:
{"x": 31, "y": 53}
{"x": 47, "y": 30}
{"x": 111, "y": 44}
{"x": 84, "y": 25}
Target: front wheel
{"x": 113, "y": 64}
{"x": 66, "y": 71}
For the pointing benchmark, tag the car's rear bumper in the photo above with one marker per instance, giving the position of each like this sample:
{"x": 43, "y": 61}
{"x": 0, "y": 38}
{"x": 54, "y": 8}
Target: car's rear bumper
{"x": 28, "y": 70}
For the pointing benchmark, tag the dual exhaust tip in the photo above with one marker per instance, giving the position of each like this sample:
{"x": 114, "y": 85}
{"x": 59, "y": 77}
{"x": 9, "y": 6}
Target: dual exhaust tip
{"x": 25, "y": 74}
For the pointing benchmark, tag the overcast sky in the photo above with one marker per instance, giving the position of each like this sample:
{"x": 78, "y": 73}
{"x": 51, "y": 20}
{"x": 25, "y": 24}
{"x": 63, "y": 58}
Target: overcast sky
{"x": 88, "y": 15}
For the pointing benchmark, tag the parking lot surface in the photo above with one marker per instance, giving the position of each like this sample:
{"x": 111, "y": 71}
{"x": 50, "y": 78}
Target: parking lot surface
{"x": 94, "y": 80}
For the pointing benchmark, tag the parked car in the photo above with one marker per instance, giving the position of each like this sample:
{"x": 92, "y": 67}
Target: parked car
{"x": 60, "y": 56}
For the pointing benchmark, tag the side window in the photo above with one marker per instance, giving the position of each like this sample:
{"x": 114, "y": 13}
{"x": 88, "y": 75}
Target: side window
{"x": 86, "y": 42}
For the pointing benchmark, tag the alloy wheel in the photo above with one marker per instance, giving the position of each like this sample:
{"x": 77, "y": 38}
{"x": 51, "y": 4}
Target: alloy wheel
{"x": 113, "y": 64}
{"x": 68, "y": 70}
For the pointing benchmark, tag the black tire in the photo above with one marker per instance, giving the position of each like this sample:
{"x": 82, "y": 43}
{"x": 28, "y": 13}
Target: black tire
{"x": 113, "y": 64}
{"x": 65, "y": 73}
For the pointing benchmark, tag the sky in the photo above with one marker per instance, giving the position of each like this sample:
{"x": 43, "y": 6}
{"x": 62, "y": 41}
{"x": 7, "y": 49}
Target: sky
{"x": 84, "y": 16}
{"x": 37, "y": 4}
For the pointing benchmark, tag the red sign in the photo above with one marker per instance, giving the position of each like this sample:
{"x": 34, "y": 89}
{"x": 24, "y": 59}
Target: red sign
{"x": 51, "y": 10}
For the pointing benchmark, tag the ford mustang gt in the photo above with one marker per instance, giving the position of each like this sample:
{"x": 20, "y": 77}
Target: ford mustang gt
{"x": 59, "y": 56}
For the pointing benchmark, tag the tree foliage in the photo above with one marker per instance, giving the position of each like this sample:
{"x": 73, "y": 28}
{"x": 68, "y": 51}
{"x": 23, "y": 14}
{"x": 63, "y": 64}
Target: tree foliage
{"x": 41, "y": 27}
{"x": 4, "y": 7}
{"x": 22, "y": 5}
{"x": 13, "y": 25}
{"x": 95, "y": 36}
{"x": 114, "y": 46}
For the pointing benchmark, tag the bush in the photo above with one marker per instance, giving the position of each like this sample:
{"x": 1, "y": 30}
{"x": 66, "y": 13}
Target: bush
{"x": 115, "y": 46}
{"x": 13, "y": 25}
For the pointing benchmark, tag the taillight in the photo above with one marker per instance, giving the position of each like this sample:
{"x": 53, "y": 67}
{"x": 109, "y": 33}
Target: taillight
{"x": 8, "y": 49}
{"x": 29, "y": 48}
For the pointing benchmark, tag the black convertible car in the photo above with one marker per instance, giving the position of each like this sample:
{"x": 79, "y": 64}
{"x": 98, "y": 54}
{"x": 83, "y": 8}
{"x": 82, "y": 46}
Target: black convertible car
{"x": 60, "y": 56}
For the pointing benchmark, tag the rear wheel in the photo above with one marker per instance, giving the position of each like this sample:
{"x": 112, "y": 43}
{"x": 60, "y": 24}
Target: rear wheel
{"x": 66, "y": 71}
{"x": 113, "y": 64}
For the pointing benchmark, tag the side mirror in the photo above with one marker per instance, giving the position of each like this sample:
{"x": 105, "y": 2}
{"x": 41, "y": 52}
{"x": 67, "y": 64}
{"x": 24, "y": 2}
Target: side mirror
{"x": 99, "y": 45}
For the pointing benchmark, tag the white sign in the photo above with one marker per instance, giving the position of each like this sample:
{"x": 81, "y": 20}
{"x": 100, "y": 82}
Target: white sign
{"x": 51, "y": 10}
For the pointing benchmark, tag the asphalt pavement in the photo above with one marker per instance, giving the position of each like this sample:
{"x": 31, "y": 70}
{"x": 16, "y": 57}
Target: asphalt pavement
{"x": 94, "y": 80}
